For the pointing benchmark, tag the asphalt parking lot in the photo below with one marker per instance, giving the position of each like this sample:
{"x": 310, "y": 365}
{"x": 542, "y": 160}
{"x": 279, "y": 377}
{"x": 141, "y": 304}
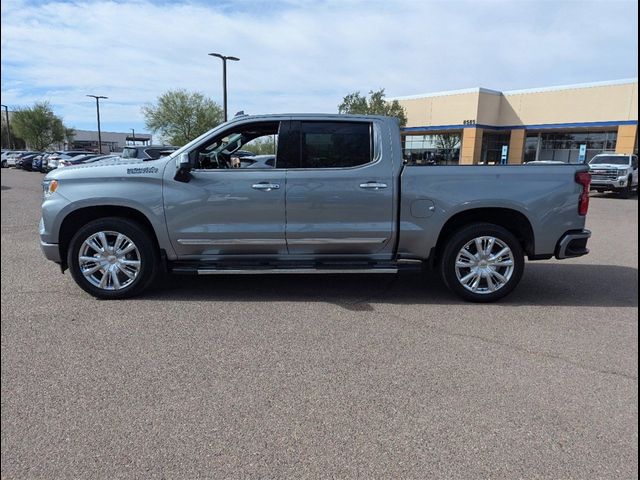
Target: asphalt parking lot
{"x": 321, "y": 377}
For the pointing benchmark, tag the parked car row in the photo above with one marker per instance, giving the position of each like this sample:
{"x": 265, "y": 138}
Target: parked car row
{"x": 9, "y": 157}
{"x": 46, "y": 161}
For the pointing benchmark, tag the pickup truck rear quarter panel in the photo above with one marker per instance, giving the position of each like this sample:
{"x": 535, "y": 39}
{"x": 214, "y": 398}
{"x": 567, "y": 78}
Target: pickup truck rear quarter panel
{"x": 140, "y": 189}
{"x": 546, "y": 195}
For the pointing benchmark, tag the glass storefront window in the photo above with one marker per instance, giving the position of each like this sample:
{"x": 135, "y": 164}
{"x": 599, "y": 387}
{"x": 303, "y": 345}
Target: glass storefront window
{"x": 565, "y": 147}
{"x": 531, "y": 148}
{"x": 432, "y": 149}
{"x": 492, "y": 144}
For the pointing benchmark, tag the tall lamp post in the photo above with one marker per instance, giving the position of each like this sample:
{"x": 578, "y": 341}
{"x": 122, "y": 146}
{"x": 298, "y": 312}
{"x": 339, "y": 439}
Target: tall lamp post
{"x": 133, "y": 134}
{"x": 224, "y": 59}
{"x": 98, "y": 97}
{"x": 6, "y": 111}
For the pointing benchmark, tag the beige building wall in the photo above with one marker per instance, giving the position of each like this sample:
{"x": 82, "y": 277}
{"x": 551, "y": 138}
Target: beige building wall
{"x": 471, "y": 146}
{"x": 451, "y": 109}
{"x": 612, "y": 101}
{"x": 627, "y": 139}
{"x": 571, "y": 105}
{"x": 516, "y": 146}
{"x": 489, "y": 104}
{"x": 615, "y": 101}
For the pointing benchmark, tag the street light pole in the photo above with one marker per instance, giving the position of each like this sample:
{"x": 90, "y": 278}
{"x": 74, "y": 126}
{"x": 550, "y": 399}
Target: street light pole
{"x": 98, "y": 97}
{"x": 6, "y": 111}
{"x": 224, "y": 59}
{"x": 133, "y": 132}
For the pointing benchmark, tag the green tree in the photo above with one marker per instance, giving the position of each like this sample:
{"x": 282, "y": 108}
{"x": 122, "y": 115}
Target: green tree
{"x": 38, "y": 125}
{"x": 69, "y": 135}
{"x": 262, "y": 145}
{"x": 376, "y": 104}
{"x": 180, "y": 116}
{"x": 448, "y": 142}
{"x": 16, "y": 142}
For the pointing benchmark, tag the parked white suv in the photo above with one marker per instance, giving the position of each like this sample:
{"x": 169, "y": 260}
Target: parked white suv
{"x": 614, "y": 172}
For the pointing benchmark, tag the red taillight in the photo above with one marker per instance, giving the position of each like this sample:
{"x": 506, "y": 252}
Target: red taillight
{"x": 584, "y": 179}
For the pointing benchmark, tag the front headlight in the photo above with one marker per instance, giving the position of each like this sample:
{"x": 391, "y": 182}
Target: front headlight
{"x": 49, "y": 187}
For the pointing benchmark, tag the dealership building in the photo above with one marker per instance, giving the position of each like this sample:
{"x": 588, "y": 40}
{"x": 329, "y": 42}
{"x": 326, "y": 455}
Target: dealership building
{"x": 479, "y": 126}
{"x": 112, "y": 142}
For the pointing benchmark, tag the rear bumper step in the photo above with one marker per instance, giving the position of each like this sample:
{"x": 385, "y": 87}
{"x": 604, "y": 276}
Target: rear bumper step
{"x": 573, "y": 244}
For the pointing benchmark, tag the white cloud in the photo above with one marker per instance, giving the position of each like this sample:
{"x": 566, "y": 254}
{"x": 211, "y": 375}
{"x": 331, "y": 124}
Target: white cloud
{"x": 300, "y": 56}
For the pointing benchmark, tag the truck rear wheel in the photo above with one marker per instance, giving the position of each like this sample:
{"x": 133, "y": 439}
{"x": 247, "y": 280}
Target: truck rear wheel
{"x": 113, "y": 258}
{"x": 482, "y": 262}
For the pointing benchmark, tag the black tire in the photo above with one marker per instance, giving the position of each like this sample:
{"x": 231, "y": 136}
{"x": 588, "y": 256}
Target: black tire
{"x": 467, "y": 234}
{"x": 5, "y": 164}
{"x": 627, "y": 191}
{"x": 146, "y": 251}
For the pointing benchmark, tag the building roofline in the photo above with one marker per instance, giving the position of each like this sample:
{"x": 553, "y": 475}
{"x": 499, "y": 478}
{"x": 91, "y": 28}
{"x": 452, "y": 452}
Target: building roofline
{"x": 574, "y": 86}
{"x": 537, "y": 126}
{"x": 448, "y": 93}
{"x": 115, "y": 133}
{"x": 606, "y": 83}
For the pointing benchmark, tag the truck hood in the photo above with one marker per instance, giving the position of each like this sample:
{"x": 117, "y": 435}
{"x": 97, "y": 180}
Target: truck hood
{"x": 110, "y": 168}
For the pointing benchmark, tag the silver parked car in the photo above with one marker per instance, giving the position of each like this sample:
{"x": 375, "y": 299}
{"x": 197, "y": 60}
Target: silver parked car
{"x": 53, "y": 161}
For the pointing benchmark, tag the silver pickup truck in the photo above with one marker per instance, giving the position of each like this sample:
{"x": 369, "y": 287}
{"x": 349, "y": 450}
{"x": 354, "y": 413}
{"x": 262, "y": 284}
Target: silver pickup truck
{"x": 308, "y": 194}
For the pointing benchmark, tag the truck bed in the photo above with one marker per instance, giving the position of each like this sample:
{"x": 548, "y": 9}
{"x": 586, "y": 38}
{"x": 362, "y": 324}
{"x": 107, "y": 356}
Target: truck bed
{"x": 546, "y": 195}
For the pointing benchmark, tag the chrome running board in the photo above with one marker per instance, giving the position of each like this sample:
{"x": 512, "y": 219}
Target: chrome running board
{"x": 270, "y": 271}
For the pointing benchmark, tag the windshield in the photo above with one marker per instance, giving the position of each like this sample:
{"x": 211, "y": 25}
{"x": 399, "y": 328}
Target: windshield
{"x": 610, "y": 159}
{"x": 197, "y": 140}
{"x": 227, "y": 144}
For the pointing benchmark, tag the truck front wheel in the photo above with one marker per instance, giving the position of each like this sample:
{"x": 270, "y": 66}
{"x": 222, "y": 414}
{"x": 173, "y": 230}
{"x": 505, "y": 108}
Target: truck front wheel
{"x": 113, "y": 258}
{"x": 626, "y": 192}
{"x": 482, "y": 262}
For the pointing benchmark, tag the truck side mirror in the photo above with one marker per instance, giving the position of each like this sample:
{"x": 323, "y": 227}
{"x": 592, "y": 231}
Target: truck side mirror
{"x": 183, "y": 167}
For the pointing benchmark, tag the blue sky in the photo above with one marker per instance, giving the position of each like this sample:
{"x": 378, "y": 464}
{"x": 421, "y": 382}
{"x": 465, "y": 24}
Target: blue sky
{"x": 300, "y": 56}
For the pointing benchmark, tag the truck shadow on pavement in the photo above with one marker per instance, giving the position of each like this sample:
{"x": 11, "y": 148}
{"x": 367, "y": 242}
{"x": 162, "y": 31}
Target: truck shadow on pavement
{"x": 542, "y": 284}
{"x": 612, "y": 195}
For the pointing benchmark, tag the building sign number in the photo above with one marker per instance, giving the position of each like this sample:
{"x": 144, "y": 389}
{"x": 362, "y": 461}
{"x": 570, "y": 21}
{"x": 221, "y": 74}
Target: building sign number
{"x": 469, "y": 122}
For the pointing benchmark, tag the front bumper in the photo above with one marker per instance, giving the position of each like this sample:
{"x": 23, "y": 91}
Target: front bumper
{"x": 573, "y": 244}
{"x": 51, "y": 251}
{"x": 608, "y": 184}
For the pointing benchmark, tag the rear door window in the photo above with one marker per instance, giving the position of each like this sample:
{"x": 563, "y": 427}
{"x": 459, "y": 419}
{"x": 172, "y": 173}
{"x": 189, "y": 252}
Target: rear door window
{"x": 335, "y": 144}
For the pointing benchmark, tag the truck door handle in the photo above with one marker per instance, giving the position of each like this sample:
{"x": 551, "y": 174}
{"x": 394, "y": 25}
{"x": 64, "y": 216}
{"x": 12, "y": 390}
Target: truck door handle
{"x": 373, "y": 185}
{"x": 267, "y": 187}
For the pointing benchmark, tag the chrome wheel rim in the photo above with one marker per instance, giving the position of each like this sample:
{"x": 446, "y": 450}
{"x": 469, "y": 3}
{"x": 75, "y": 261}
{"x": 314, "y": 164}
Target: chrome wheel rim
{"x": 109, "y": 260}
{"x": 484, "y": 265}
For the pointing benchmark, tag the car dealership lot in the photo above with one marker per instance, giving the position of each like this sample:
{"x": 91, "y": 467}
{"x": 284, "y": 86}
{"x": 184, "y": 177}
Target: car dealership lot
{"x": 325, "y": 376}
